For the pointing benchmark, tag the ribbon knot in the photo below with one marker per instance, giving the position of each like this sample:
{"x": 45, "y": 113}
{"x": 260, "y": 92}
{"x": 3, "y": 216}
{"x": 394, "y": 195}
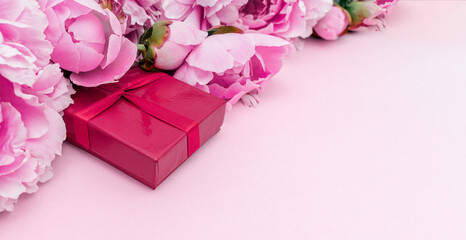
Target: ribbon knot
{"x": 84, "y": 116}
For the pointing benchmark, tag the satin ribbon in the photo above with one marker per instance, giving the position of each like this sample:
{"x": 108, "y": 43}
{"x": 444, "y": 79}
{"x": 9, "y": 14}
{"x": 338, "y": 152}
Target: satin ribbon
{"x": 82, "y": 117}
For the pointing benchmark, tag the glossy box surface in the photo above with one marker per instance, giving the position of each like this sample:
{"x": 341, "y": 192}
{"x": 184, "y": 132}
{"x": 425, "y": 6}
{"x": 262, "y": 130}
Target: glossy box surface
{"x": 137, "y": 143}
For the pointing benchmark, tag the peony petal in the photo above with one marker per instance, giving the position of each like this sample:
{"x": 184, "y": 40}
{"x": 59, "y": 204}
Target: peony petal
{"x": 228, "y": 15}
{"x": 114, "y": 22}
{"x": 219, "y": 52}
{"x": 55, "y": 27}
{"x": 82, "y": 7}
{"x": 296, "y": 24}
{"x": 48, "y": 77}
{"x": 116, "y": 69}
{"x": 211, "y": 55}
{"x": 185, "y": 34}
{"x": 32, "y": 16}
{"x": 266, "y": 40}
{"x": 136, "y": 13}
{"x": 175, "y": 10}
{"x": 114, "y": 46}
{"x": 88, "y": 28}
{"x": 16, "y": 66}
{"x": 89, "y": 59}
{"x": 207, "y": 3}
{"x": 32, "y": 116}
{"x": 171, "y": 55}
{"x": 11, "y": 9}
{"x": 13, "y": 133}
{"x": 66, "y": 53}
{"x": 239, "y": 46}
{"x": 194, "y": 18}
{"x": 193, "y": 75}
{"x": 11, "y": 188}
{"x": 25, "y": 173}
{"x": 52, "y": 88}
{"x": 46, "y": 146}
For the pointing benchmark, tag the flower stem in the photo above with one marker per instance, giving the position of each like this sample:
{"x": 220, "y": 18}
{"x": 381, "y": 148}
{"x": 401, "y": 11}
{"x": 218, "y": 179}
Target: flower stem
{"x": 141, "y": 47}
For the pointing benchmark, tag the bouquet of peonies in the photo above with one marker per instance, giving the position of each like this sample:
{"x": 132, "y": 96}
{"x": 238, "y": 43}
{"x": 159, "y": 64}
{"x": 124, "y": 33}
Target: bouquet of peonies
{"x": 228, "y": 48}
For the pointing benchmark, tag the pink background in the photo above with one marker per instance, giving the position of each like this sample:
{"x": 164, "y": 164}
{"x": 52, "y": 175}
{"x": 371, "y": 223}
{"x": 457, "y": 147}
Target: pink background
{"x": 362, "y": 138}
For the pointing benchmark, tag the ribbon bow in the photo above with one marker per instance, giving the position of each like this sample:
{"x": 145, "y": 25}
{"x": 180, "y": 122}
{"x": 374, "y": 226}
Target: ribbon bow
{"x": 82, "y": 117}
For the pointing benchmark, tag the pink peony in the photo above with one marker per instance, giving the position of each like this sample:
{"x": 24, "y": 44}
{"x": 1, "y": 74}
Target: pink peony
{"x": 203, "y": 14}
{"x": 88, "y": 41}
{"x": 166, "y": 44}
{"x": 138, "y": 19}
{"x": 232, "y": 65}
{"x": 32, "y": 93}
{"x": 284, "y": 18}
{"x": 152, "y": 7}
{"x": 333, "y": 25}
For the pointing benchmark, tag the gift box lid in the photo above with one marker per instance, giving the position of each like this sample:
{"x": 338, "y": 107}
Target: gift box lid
{"x": 145, "y": 147}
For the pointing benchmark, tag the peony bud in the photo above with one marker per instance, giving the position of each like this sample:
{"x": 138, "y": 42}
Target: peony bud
{"x": 334, "y": 24}
{"x": 166, "y": 44}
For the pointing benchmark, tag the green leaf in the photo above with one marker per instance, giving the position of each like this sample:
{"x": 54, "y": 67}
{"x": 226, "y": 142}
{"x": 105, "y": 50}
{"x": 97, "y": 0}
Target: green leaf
{"x": 223, "y": 30}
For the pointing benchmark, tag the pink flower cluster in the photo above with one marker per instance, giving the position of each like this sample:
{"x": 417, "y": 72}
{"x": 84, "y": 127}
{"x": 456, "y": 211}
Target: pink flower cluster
{"x": 228, "y": 48}
{"x": 32, "y": 93}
